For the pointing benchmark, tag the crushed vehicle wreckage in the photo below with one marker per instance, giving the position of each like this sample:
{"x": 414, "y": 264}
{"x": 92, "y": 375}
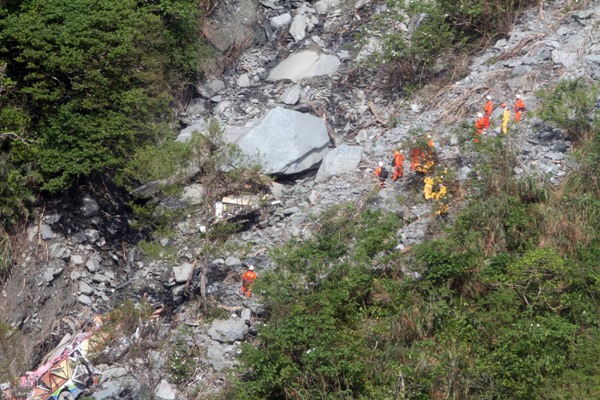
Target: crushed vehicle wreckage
{"x": 69, "y": 370}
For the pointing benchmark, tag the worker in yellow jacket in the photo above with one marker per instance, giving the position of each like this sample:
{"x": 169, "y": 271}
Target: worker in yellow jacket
{"x": 428, "y": 188}
{"x": 505, "y": 118}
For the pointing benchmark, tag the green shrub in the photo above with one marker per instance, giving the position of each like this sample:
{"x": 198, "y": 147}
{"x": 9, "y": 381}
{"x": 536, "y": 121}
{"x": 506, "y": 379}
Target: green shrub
{"x": 93, "y": 80}
{"x": 570, "y": 105}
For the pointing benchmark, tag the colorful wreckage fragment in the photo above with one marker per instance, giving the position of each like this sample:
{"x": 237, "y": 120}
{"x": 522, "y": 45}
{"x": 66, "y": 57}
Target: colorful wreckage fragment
{"x": 65, "y": 376}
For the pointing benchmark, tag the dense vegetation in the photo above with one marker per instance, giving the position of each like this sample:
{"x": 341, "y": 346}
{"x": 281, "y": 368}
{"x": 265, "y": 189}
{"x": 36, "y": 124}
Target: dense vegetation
{"x": 85, "y": 83}
{"x": 507, "y": 307}
{"x": 440, "y": 34}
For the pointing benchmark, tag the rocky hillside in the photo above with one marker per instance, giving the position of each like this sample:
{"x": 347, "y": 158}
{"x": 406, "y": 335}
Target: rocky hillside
{"x": 80, "y": 257}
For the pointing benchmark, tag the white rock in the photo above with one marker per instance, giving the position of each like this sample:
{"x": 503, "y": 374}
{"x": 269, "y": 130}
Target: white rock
{"x": 291, "y": 95}
{"x": 165, "y": 391}
{"x": 298, "y": 28}
{"x": 244, "y": 81}
{"x": 304, "y": 64}
{"x": 280, "y": 21}
{"x": 183, "y": 272}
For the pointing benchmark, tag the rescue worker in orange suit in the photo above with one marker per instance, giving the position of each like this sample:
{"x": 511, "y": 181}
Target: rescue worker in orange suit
{"x": 488, "y": 112}
{"x": 519, "y": 108}
{"x": 430, "y": 142}
{"x": 415, "y": 155}
{"x": 248, "y": 280}
{"x": 382, "y": 174}
{"x": 480, "y": 126}
{"x": 398, "y": 165}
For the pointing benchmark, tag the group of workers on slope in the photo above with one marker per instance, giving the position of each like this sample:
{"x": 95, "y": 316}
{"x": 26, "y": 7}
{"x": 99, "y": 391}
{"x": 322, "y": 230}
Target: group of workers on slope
{"x": 422, "y": 161}
{"x": 483, "y": 119}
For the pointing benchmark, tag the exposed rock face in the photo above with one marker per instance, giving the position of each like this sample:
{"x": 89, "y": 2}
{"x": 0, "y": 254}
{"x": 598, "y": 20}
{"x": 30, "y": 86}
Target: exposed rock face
{"x": 287, "y": 142}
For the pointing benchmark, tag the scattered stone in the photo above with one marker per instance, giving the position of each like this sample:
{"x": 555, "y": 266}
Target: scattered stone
{"x": 244, "y": 81}
{"x": 89, "y": 207}
{"x": 280, "y": 21}
{"x": 228, "y": 331}
{"x": 304, "y": 64}
{"x": 92, "y": 265}
{"x": 291, "y": 95}
{"x": 232, "y": 261}
{"x": 85, "y": 288}
{"x": 47, "y": 233}
{"x": 77, "y": 259}
{"x": 183, "y": 272}
{"x": 58, "y": 250}
{"x": 209, "y": 89}
{"x": 92, "y": 235}
{"x": 341, "y": 160}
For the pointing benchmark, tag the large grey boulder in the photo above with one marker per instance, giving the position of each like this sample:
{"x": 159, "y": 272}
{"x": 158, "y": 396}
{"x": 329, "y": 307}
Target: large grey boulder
{"x": 228, "y": 331}
{"x": 287, "y": 142}
{"x": 339, "y": 161}
{"x": 304, "y": 64}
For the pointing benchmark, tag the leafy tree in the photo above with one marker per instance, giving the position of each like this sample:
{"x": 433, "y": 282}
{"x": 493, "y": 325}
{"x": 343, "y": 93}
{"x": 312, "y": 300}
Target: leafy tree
{"x": 92, "y": 79}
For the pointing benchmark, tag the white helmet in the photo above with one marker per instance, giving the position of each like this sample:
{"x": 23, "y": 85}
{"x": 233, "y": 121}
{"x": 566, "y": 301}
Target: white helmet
{"x": 251, "y": 267}
{"x": 488, "y": 97}
{"x": 479, "y": 115}
{"x": 518, "y": 96}
{"x": 381, "y": 163}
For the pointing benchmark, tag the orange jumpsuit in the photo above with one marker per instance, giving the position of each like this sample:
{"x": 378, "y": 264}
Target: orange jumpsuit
{"x": 519, "y": 108}
{"x": 488, "y": 108}
{"x": 479, "y": 125}
{"x": 247, "y": 281}
{"x": 398, "y": 165}
{"x": 415, "y": 154}
{"x": 486, "y": 121}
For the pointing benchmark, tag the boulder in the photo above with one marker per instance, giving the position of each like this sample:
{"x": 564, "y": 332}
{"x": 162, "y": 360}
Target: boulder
{"x": 291, "y": 95}
{"x": 183, "y": 272}
{"x": 196, "y": 106}
{"x": 47, "y": 233}
{"x": 304, "y": 64}
{"x": 209, "y": 89}
{"x": 89, "y": 207}
{"x": 85, "y": 288}
{"x": 244, "y": 81}
{"x": 341, "y": 160}
{"x": 165, "y": 391}
{"x": 281, "y": 21}
{"x": 228, "y": 331}
{"x": 193, "y": 194}
{"x": 287, "y": 142}
{"x": 298, "y": 28}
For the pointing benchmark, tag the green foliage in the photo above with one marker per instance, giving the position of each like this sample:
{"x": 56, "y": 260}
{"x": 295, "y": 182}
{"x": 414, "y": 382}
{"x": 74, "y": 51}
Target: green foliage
{"x": 12, "y": 356}
{"x": 92, "y": 80}
{"x": 440, "y": 27}
{"x": 6, "y": 255}
{"x": 16, "y": 192}
{"x": 313, "y": 345}
{"x": 155, "y": 251}
{"x": 507, "y": 308}
{"x": 571, "y": 106}
{"x": 184, "y": 359}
